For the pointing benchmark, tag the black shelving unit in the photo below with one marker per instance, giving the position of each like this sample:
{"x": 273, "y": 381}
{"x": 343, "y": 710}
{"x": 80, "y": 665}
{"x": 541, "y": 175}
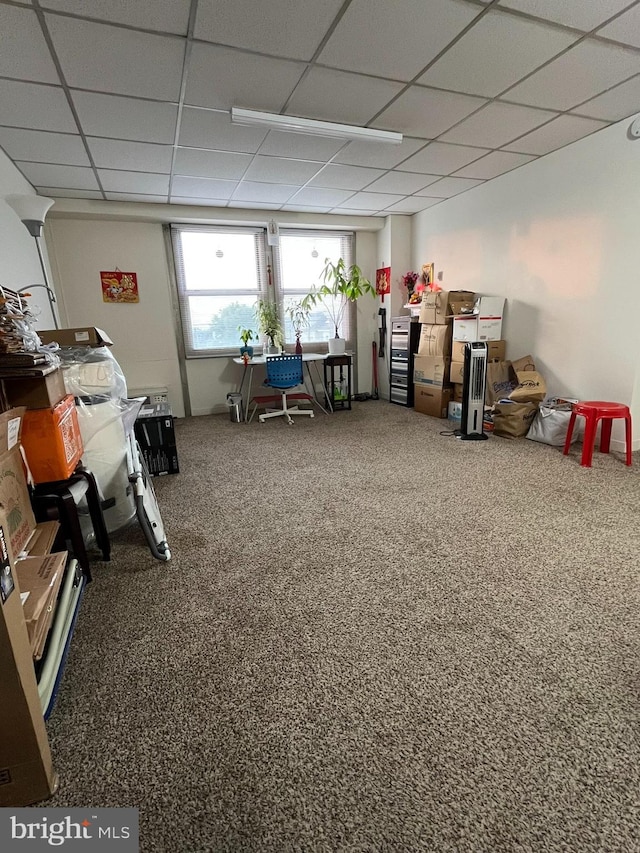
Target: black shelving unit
{"x": 338, "y": 374}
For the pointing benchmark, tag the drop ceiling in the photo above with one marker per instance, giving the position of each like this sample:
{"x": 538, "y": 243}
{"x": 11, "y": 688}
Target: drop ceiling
{"x": 130, "y": 99}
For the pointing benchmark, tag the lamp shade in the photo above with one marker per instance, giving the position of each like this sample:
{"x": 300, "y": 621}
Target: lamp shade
{"x": 29, "y": 207}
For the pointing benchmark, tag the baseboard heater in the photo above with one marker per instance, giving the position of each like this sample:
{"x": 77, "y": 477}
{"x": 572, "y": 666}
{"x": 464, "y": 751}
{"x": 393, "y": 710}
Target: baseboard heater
{"x": 473, "y": 391}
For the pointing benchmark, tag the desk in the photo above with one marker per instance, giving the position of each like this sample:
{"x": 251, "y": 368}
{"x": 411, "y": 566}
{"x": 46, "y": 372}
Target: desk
{"x": 309, "y": 359}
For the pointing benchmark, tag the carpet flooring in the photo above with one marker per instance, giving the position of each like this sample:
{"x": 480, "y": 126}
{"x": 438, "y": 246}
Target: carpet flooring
{"x": 371, "y": 637}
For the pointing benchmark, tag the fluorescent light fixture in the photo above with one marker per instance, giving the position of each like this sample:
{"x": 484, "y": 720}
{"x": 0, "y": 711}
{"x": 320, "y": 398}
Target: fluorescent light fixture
{"x": 294, "y": 124}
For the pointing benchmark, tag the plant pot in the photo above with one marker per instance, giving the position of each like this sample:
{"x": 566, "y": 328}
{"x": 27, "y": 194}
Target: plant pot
{"x": 248, "y": 350}
{"x": 269, "y": 350}
{"x": 337, "y": 346}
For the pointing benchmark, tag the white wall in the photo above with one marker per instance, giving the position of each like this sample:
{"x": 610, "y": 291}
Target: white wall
{"x": 142, "y": 333}
{"x": 19, "y": 263}
{"x": 560, "y": 239}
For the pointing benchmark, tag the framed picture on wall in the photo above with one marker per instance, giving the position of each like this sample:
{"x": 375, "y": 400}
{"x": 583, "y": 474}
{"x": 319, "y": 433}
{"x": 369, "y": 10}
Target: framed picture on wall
{"x": 118, "y": 286}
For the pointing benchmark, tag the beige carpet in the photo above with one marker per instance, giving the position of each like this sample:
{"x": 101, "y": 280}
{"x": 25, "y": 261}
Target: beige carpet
{"x": 371, "y": 637}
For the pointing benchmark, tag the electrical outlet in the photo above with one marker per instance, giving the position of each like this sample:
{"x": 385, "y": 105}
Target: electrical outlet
{"x": 158, "y": 398}
{"x": 440, "y": 275}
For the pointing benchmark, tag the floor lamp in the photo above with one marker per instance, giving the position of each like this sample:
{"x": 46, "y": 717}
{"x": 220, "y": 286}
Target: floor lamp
{"x": 32, "y": 209}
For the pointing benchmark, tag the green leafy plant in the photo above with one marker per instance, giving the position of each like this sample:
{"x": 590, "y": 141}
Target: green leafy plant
{"x": 298, "y": 313}
{"x": 269, "y": 322}
{"x": 246, "y": 335}
{"x": 341, "y": 285}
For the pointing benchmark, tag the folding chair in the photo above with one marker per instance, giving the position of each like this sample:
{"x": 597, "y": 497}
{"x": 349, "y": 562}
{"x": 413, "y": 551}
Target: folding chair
{"x": 284, "y": 372}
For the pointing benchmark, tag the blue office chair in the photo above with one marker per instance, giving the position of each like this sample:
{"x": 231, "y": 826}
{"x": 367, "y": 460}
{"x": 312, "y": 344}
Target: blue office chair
{"x": 284, "y": 372}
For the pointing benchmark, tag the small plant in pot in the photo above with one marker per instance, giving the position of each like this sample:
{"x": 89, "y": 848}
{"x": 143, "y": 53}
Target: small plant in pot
{"x": 298, "y": 313}
{"x": 270, "y": 326}
{"x": 246, "y": 335}
{"x": 341, "y": 285}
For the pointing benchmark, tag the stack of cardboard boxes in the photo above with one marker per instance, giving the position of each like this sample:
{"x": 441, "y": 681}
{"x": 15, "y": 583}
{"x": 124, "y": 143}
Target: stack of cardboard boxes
{"x": 449, "y": 320}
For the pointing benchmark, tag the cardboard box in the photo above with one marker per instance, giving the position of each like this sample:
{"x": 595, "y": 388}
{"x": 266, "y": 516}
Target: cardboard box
{"x": 154, "y": 426}
{"x": 42, "y": 539}
{"x": 456, "y": 372}
{"x": 431, "y": 370}
{"x": 39, "y": 579}
{"x": 161, "y": 460}
{"x": 26, "y": 768}
{"x": 430, "y": 400}
{"x": 495, "y": 350}
{"x": 454, "y": 410}
{"x": 42, "y": 392}
{"x": 52, "y": 441}
{"x": 87, "y": 336}
{"x": 457, "y": 392}
{"x": 477, "y": 328}
{"x": 435, "y": 307}
{"x": 435, "y": 340}
{"x": 14, "y": 495}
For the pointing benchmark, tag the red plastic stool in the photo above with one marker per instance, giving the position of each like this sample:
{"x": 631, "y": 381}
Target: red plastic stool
{"x": 594, "y": 411}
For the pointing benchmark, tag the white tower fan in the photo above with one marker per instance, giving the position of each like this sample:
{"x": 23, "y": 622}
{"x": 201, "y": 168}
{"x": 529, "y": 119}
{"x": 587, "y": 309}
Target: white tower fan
{"x": 473, "y": 390}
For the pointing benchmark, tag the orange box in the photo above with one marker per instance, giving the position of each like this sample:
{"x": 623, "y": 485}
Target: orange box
{"x": 52, "y": 441}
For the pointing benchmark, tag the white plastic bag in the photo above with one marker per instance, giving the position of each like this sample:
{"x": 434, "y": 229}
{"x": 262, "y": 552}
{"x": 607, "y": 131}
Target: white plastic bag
{"x": 551, "y": 423}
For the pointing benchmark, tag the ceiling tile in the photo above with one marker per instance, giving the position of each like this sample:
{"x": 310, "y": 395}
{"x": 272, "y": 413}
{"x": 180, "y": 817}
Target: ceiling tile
{"x": 438, "y": 158}
{"x": 211, "y": 164}
{"x": 473, "y": 65}
{"x": 345, "y": 211}
{"x": 271, "y": 193}
{"x": 582, "y": 14}
{"x": 59, "y": 192}
{"x": 221, "y": 77}
{"x": 561, "y": 131}
{"x": 494, "y": 164}
{"x": 125, "y": 118}
{"x": 169, "y": 16}
{"x": 617, "y": 103}
{"x": 413, "y": 204}
{"x": 402, "y": 182}
{"x": 345, "y": 177}
{"x": 25, "y": 54}
{"x": 210, "y": 129}
{"x": 305, "y": 208}
{"x": 244, "y": 205}
{"x": 372, "y": 201}
{"x": 320, "y": 197}
{"x": 626, "y": 28}
{"x": 133, "y": 182}
{"x": 31, "y": 105}
{"x": 130, "y": 156}
{"x": 202, "y": 188}
{"x": 447, "y": 187}
{"x": 394, "y": 40}
{"x": 360, "y": 97}
{"x": 40, "y": 147}
{"x": 426, "y": 112}
{"x": 112, "y": 59}
{"x": 292, "y": 28}
{"x": 381, "y": 156}
{"x": 300, "y": 145}
{"x": 497, "y": 124}
{"x": 70, "y": 177}
{"x": 581, "y": 73}
{"x": 152, "y": 199}
{"x": 278, "y": 170}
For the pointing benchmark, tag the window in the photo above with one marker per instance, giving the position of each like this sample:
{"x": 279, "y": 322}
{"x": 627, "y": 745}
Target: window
{"x": 299, "y": 261}
{"x": 222, "y": 271}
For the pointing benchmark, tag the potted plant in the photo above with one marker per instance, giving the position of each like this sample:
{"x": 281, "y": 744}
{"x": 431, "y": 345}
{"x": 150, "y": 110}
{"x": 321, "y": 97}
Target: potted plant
{"x": 246, "y": 335}
{"x": 270, "y": 326}
{"x": 298, "y": 313}
{"x": 341, "y": 285}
